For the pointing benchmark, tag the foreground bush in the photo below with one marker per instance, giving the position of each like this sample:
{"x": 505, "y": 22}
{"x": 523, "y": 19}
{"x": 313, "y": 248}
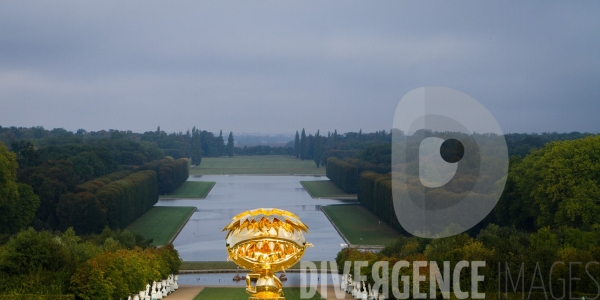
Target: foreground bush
{"x": 118, "y": 274}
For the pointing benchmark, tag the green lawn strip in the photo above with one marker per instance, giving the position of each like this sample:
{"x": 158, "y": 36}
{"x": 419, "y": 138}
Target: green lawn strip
{"x": 324, "y": 189}
{"x": 191, "y": 189}
{"x": 224, "y": 293}
{"x": 267, "y": 164}
{"x": 359, "y": 225}
{"x": 161, "y": 223}
{"x": 222, "y": 265}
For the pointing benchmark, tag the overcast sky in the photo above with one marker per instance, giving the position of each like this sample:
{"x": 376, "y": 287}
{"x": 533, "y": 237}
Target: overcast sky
{"x": 278, "y": 66}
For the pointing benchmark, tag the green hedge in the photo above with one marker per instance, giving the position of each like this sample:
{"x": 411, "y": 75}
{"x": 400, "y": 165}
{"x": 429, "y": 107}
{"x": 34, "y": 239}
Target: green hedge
{"x": 375, "y": 193}
{"x": 364, "y": 166}
{"x": 126, "y": 199}
{"x": 171, "y": 175}
{"x": 92, "y": 186}
{"x": 119, "y": 198}
{"x": 116, "y": 204}
{"x": 343, "y": 174}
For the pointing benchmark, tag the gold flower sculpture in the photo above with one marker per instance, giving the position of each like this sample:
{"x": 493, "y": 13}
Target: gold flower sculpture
{"x": 264, "y": 241}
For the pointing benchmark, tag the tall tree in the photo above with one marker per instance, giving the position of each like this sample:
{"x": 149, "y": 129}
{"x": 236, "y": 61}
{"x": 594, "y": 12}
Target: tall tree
{"x": 221, "y": 142}
{"x": 317, "y": 154}
{"x": 196, "y": 147}
{"x": 297, "y": 145}
{"x": 230, "y": 144}
{"x": 303, "y": 145}
{"x": 18, "y": 203}
{"x": 556, "y": 186}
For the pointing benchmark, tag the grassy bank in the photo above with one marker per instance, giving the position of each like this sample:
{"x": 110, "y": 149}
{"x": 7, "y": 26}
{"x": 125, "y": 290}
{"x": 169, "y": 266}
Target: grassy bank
{"x": 191, "y": 189}
{"x": 162, "y": 223}
{"x": 325, "y": 189}
{"x": 214, "y": 293}
{"x": 360, "y": 226}
{"x": 267, "y": 164}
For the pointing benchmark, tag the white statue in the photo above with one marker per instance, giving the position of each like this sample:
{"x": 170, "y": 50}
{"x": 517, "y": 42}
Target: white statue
{"x": 165, "y": 288}
{"x": 159, "y": 290}
{"x": 154, "y": 295}
{"x": 364, "y": 294}
{"x": 350, "y": 284}
{"x": 357, "y": 290}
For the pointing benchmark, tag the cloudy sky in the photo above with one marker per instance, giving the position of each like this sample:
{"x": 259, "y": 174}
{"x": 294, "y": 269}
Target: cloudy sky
{"x": 279, "y": 66}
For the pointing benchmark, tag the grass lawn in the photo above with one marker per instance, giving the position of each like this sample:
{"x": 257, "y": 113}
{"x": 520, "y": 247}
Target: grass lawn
{"x": 222, "y": 265}
{"x": 192, "y": 189}
{"x": 265, "y": 164}
{"x": 214, "y": 293}
{"x": 360, "y": 226}
{"x": 161, "y": 223}
{"x": 325, "y": 189}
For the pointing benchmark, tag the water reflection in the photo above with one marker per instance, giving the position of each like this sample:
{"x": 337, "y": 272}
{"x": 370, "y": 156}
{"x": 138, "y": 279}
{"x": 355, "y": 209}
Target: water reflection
{"x": 202, "y": 240}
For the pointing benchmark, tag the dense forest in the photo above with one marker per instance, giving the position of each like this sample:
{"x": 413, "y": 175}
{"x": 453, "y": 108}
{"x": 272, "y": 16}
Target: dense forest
{"x": 549, "y": 212}
{"x": 75, "y": 192}
{"x": 67, "y": 195}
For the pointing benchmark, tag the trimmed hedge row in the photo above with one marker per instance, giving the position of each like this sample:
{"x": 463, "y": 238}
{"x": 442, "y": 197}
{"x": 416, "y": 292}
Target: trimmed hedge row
{"x": 343, "y": 174}
{"x": 171, "y": 173}
{"x": 117, "y": 199}
{"x": 92, "y": 186}
{"x": 364, "y": 166}
{"x": 126, "y": 199}
{"x": 115, "y": 204}
{"x": 375, "y": 193}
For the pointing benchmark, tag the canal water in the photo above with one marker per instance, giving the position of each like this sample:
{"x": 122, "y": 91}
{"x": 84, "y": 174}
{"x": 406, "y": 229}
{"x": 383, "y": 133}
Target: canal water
{"x": 202, "y": 238}
{"x": 226, "y": 279}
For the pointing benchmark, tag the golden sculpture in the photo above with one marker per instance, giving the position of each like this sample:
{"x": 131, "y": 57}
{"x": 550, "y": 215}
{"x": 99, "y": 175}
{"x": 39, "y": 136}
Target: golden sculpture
{"x": 264, "y": 241}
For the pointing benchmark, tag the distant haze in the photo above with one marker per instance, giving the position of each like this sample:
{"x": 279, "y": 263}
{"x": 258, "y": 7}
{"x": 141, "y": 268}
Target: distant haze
{"x": 279, "y": 66}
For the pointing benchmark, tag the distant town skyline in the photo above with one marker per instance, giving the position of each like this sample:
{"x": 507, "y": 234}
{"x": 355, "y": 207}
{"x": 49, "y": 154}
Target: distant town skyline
{"x": 277, "y": 67}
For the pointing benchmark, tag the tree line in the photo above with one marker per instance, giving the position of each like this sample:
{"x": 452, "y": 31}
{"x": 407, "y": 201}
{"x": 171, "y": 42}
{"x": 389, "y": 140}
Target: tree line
{"x": 49, "y": 175}
{"x": 193, "y": 144}
{"x": 320, "y": 148}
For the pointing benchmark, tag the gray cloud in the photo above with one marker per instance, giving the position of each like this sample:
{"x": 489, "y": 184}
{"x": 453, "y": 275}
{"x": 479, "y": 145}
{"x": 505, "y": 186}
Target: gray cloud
{"x": 280, "y": 66}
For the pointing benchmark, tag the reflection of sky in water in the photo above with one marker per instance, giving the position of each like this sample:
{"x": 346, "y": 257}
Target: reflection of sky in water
{"x": 202, "y": 239}
{"x": 226, "y": 279}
